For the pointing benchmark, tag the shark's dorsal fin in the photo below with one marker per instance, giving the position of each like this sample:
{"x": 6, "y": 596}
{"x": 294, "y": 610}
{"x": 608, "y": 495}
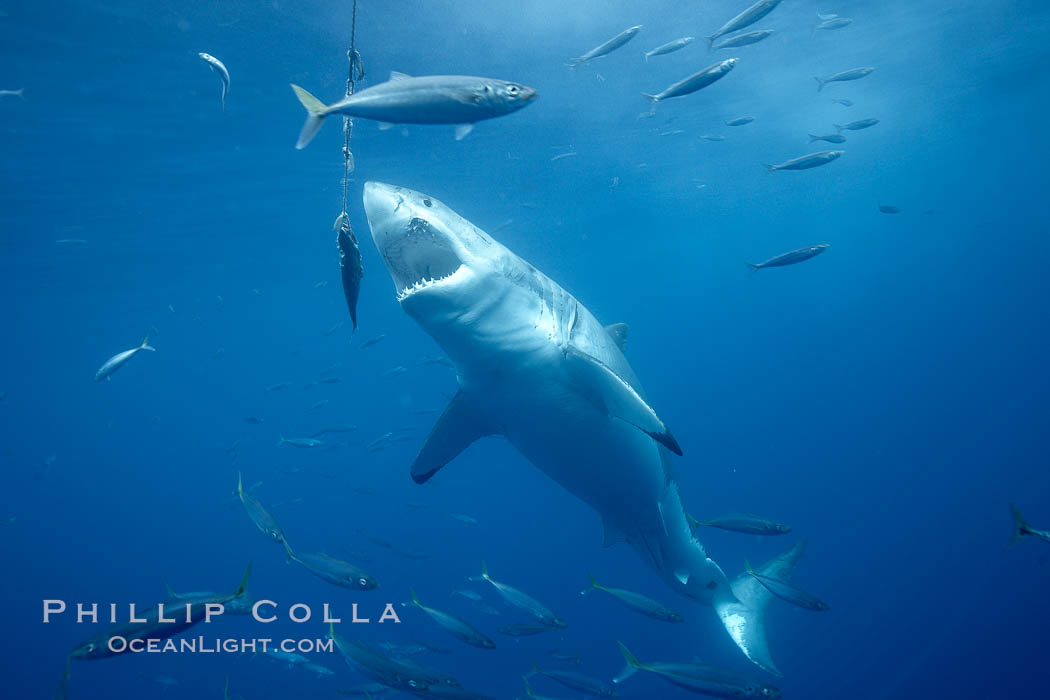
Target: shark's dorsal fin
{"x": 618, "y": 332}
{"x": 397, "y": 75}
{"x": 605, "y": 388}
{"x": 454, "y": 431}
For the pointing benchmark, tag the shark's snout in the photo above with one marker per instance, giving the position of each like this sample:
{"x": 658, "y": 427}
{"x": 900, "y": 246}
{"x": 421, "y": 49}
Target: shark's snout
{"x": 409, "y": 232}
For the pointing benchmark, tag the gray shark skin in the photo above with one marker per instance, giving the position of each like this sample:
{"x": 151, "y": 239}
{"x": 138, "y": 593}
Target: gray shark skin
{"x": 534, "y": 365}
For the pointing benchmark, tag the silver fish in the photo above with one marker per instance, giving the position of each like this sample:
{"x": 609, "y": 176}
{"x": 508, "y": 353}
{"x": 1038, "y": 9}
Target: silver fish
{"x": 739, "y": 121}
{"x": 833, "y": 23}
{"x": 523, "y": 601}
{"x": 844, "y": 76}
{"x": 695, "y": 82}
{"x": 747, "y": 524}
{"x": 745, "y": 39}
{"x": 830, "y": 138}
{"x": 808, "y": 161}
{"x": 788, "y": 593}
{"x": 637, "y": 602}
{"x": 669, "y": 47}
{"x": 20, "y": 93}
{"x": 266, "y": 523}
{"x": 791, "y": 257}
{"x": 454, "y": 625}
{"x": 300, "y": 442}
{"x": 119, "y": 360}
{"x": 432, "y": 99}
{"x": 333, "y": 570}
{"x": 704, "y": 679}
{"x": 745, "y": 19}
{"x": 857, "y": 125}
{"x": 607, "y": 47}
{"x": 224, "y": 75}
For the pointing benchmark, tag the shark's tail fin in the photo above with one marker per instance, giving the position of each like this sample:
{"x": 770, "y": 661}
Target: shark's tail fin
{"x": 1020, "y": 526}
{"x": 743, "y": 613}
{"x": 629, "y": 669}
{"x": 315, "y": 114}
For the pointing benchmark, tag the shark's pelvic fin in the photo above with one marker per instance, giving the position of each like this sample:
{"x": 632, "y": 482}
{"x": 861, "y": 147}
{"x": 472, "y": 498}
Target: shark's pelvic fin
{"x": 454, "y": 431}
{"x": 607, "y": 389}
{"x": 618, "y": 332}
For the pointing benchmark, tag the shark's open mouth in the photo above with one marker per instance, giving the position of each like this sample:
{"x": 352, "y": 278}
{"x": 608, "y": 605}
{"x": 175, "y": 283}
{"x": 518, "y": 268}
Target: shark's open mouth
{"x": 420, "y": 258}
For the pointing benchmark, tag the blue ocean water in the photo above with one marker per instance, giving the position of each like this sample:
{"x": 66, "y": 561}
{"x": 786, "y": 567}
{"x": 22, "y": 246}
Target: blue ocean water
{"x": 887, "y": 398}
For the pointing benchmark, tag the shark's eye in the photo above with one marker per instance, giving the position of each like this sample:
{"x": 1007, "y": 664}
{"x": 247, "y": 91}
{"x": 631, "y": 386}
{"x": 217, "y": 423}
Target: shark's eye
{"x": 428, "y": 203}
{"x": 513, "y": 89}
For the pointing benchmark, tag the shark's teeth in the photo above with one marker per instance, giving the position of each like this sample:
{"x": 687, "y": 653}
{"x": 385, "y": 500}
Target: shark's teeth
{"x": 421, "y": 284}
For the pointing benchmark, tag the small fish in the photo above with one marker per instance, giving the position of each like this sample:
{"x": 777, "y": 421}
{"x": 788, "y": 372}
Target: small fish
{"x": 672, "y": 132}
{"x": 71, "y": 241}
{"x": 319, "y": 405}
{"x": 328, "y": 380}
{"x": 523, "y": 629}
{"x": 607, "y": 47}
{"x": 833, "y": 23}
{"x": 694, "y": 82}
{"x": 747, "y": 39}
{"x": 351, "y": 267}
{"x": 739, "y": 121}
{"x": 335, "y": 571}
{"x": 379, "y": 441}
{"x": 323, "y": 283}
{"x": 747, "y": 524}
{"x": 857, "y": 125}
{"x": 371, "y": 341}
{"x": 806, "y": 162}
{"x": 463, "y": 518}
{"x": 300, "y": 442}
{"x": 887, "y": 209}
{"x": 433, "y": 99}
{"x": 523, "y": 601}
{"x": 468, "y": 594}
{"x": 334, "y": 328}
{"x": 745, "y": 19}
{"x": 844, "y": 103}
{"x": 576, "y": 681}
{"x": 253, "y": 420}
{"x": 19, "y": 93}
{"x": 393, "y": 372}
{"x": 830, "y": 138}
{"x": 224, "y": 75}
{"x": 286, "y": 657}
{"x": 703, "y": 679}
{"x": 277, "y": 387}
{"x": 786, "y": 592}
{"x": 425, "y": 411}
{"x": 318, "y": 669}
{"x": 434, "y": 360}
{"x": 1022, "y": 528}
{"x": 569, "y": 154}
{"x": 486, "y": 608}
{"x": 259, "y": 515}
{"x": 637, "y": 602}
{"x": 791, "y": 257}
{"x": 119, "y": 360}
{"x": 712, "y": 137}
{"x": 454, "y": 625}
{"x": 572, "y": 657}
{"x": 669, "y": 47}
{"x": 218, "y": 353}
{"x": 843, "y": 76}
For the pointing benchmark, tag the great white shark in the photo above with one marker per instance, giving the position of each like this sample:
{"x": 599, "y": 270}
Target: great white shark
{"x": 534, "y": 365}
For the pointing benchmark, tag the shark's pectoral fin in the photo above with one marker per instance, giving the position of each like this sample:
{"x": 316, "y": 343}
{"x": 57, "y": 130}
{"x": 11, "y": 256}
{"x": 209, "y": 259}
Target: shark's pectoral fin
{"x": 618, "y": 332}
{"x": 607, "y": 389}
{"x": 456, "y": 429}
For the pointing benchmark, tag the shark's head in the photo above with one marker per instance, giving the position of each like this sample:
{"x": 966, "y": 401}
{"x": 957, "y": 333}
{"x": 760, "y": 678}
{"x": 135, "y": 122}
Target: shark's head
{"x": 434, "y": 256}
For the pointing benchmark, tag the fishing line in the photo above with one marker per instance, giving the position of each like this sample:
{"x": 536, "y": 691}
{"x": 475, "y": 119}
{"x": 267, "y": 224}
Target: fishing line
{"x": 350, "y": 265}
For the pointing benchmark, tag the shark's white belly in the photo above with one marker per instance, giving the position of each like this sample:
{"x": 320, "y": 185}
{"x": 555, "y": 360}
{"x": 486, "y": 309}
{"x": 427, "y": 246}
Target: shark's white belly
{"x": 607, "y": 463}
